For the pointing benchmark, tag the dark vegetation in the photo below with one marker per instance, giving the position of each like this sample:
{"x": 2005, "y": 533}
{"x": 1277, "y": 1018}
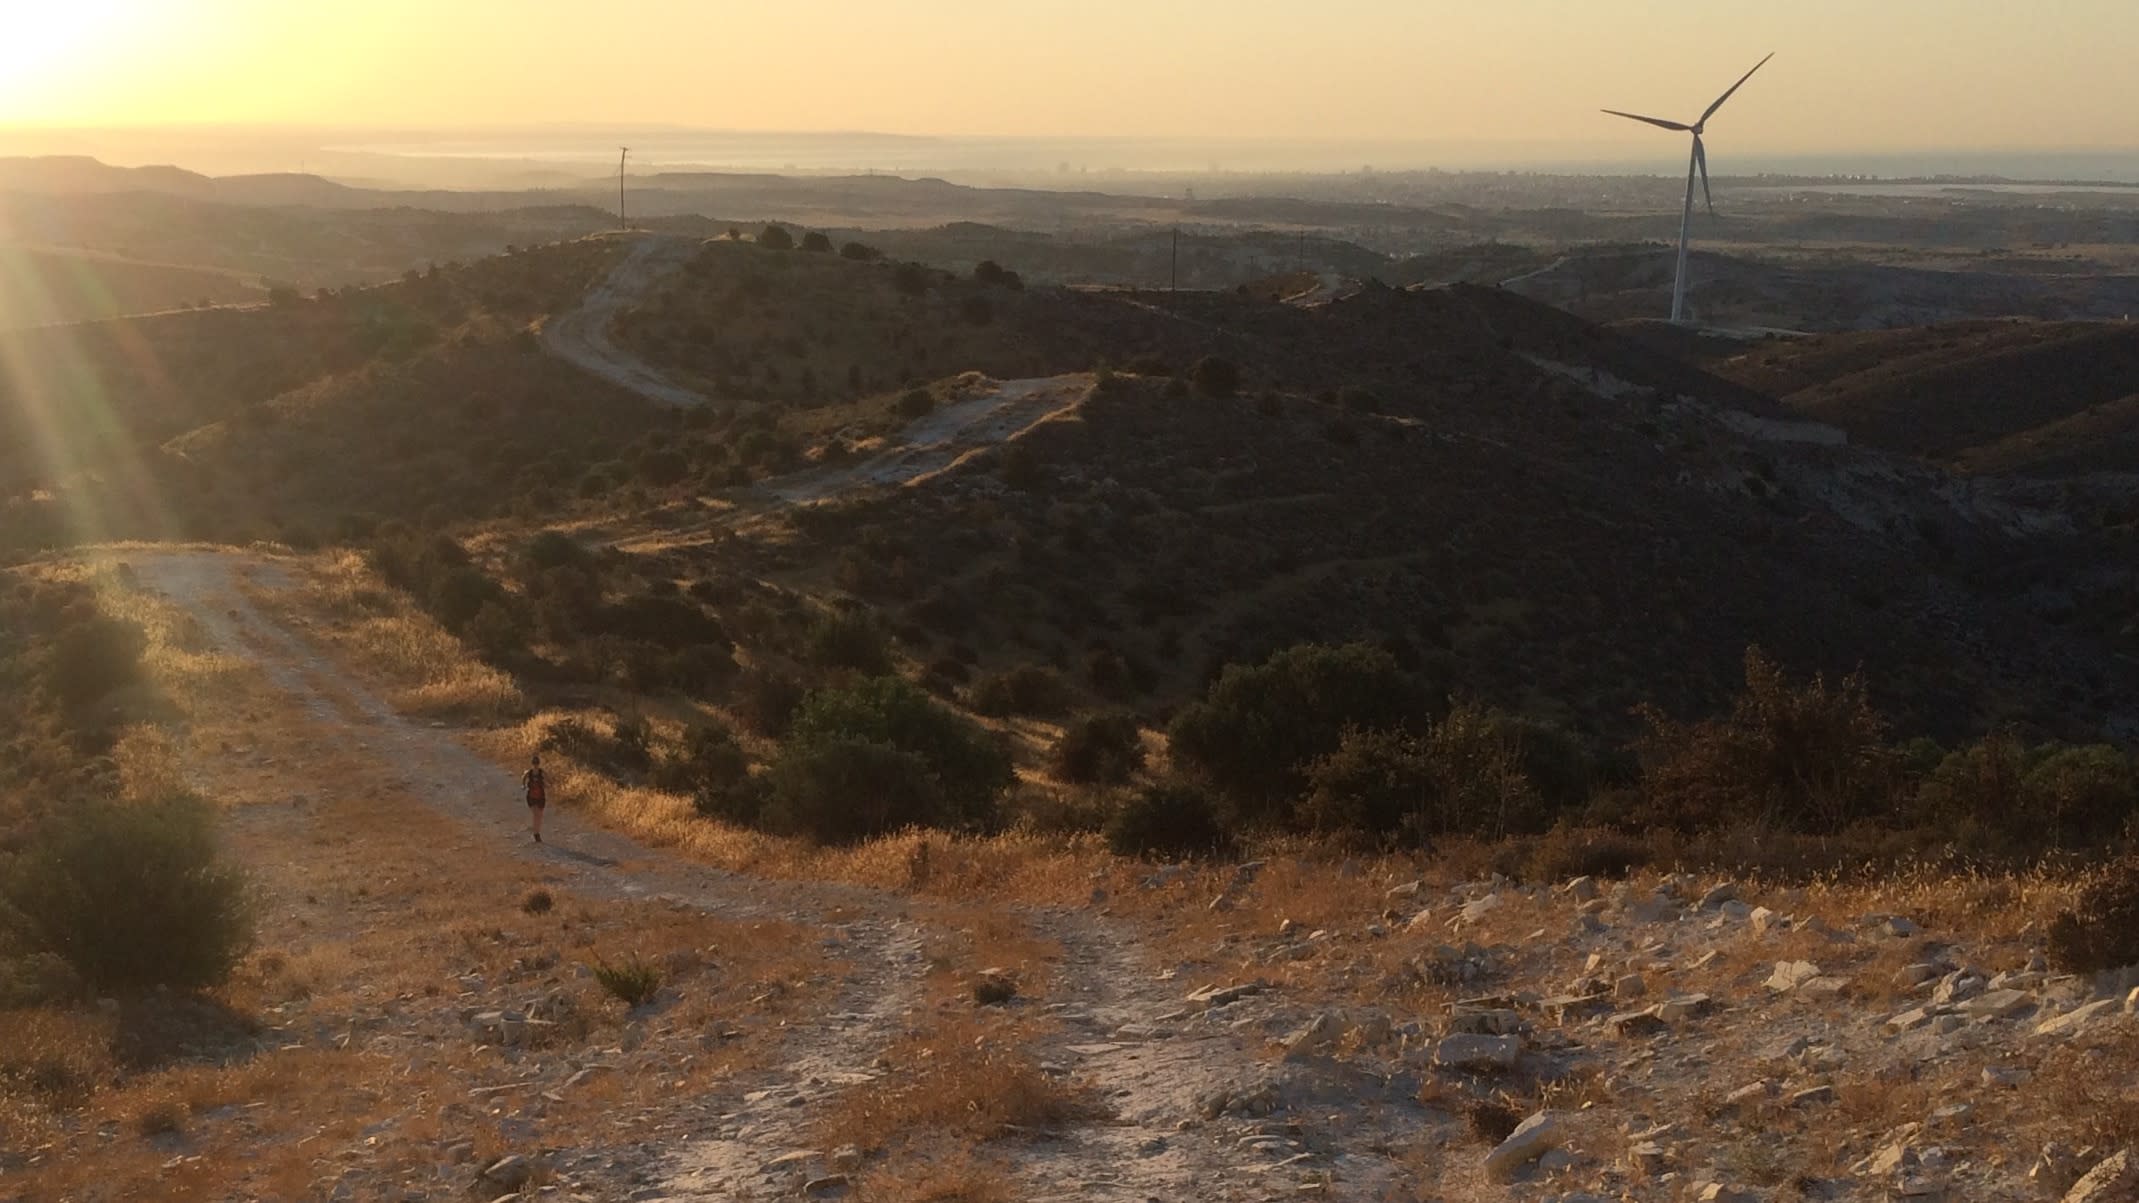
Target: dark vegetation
{"x": 123, "y": 894}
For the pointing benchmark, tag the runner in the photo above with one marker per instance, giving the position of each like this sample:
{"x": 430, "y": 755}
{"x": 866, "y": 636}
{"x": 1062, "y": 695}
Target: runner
{"x": 537, "y": 793}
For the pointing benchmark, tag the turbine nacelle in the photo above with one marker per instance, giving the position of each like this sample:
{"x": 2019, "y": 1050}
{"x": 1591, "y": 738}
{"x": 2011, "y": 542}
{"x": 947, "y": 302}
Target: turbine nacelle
{"x": 1697, "y": 167}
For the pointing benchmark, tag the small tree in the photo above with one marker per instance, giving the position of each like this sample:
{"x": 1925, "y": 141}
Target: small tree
{"x": 1259, "y": 727}
{"x": 776, "y": 238}
{"x": 988, "y": 271}
{"x": 816, "y": 243}
{"x": 859, "y": 252}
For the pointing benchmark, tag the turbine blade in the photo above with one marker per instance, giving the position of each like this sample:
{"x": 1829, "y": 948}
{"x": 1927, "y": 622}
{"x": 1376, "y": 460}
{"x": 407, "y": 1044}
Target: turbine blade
{"x": 1734, "y": 88}
{"x": 1700, "y": 157}
{"x": 1656, "y": 121}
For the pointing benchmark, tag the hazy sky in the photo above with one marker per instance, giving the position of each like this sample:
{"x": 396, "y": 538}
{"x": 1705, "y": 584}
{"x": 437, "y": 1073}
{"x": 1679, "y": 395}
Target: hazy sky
{"x": 1850, "y": 74}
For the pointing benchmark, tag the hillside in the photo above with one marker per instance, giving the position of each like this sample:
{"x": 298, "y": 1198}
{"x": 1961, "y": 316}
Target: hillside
{"x": 1528, "y": 507}
{"x": 2041, "y": 398}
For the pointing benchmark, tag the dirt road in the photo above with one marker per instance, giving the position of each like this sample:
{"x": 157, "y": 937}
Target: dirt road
{"x": 585, "y": 338}
{"x": 1117, "y": 1023}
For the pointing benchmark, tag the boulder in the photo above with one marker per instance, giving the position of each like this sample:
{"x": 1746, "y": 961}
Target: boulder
{"x": 1320, "y": 1033}
{"x": 1999, "y": 1004}
{"x": 1582, "y": 889}
{"x": 1719, "y": 894}
{"x": 1683, "y": 1007}
{"x": 1532, "y": 1139}
{"x": 2113, "y": 1180}
{"x": 2075, "y": 1019}
{"x": 1789, "y": 975}
{"x": 1908, "y": 977}
{"x": 1958, "y": 986}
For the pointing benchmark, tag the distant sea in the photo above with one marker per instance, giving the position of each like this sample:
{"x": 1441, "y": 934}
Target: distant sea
{"x": 816, "y": 153}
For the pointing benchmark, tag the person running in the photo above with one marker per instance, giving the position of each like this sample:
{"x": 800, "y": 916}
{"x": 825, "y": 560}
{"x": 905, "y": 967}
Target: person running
{"x": 537, "y": 793}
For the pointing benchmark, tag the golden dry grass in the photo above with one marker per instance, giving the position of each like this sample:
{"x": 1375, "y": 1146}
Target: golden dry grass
{"x": 427, "y": 672}
{"x": 966, "y": 1079}
{"x": 374, "y": 906}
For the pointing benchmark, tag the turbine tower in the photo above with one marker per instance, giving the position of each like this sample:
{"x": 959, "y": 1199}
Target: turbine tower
{"x": 623, "y": 221}
{"x": 1698, "y": 165}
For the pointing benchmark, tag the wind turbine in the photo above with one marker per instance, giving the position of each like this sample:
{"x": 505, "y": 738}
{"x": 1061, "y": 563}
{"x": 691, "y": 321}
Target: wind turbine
{"x": 622, "y": 221}
{"x": 1699, "y": 164}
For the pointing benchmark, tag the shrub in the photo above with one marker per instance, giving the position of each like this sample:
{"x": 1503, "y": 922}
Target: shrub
{"x": 1215, "y": 377}
{"x": 1809, "y": 758}
{"x": 776, "y": 238}
{"x": 1259, "y": 727}
{"x": 850, "y": 638}
{"x": 910, "y": 278}
{"x": 497, "y": 632}
{"x": 621, "y": 750}
{"x": 537, "y": 901}
{"x": 915, "y": 403}
{"x": 968, "y": 769}
{"x": 816, "y": 242}
{"x": 2083, "y": 796}
{"x": 663, "y": 468}
{"x": 633, "y": 983}
{"x": 859, "y": 252}
{"x": 712, "y": 767}
{"x": 2101, "y": 931}
{"x": 766, "y": 701}
{"x": 988, "y": 271}
{"x": 842, "y": 790}
{"x": 129, "y": 896}
{"x": 1169, "y": 819}
{"x": 1103, "y": 748}
{"x": 1033, "y": 689}
{"x": 93, "y": 657}
{"x": 1020, "y": 468}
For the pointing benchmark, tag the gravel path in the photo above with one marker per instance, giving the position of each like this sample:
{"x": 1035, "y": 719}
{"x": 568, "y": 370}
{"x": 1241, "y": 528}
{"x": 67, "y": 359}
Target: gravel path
{"x": 1116, "y": 1024}
{"x": 585, "y": 337}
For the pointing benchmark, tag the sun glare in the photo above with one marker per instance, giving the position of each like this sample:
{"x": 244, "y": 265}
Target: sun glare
{"x": 45, "y": 44}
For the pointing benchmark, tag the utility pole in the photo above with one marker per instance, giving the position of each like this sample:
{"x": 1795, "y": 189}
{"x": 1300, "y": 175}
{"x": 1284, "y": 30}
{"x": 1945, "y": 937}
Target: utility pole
{"x": 623, "y": 221}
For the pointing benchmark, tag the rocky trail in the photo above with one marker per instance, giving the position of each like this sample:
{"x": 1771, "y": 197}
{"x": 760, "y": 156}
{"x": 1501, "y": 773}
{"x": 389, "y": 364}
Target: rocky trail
{"x": 1114, "y": 1023}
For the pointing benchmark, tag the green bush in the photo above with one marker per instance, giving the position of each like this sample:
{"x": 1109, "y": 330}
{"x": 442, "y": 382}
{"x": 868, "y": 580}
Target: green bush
{"x": 1168, "y": 819}
{"x": 816, "y": 242}
{"x": 1215, "y": 377}
{"x": 850, "y": 638}
{"x": 129, "y": 896}
{"x": 1102, "y": 748}
{"x": 962, "y": 770}
{"x": 712, "y": 767}
{"x": 776, "y": 238}
{"x": 1259, "y": 727}
{"x": 93, "y": 657}
{"x": 766, "y": 701}
{"x": 915, "y": 403}
{"x": 842, "y": 790}
{"x": 1032, "y": 689}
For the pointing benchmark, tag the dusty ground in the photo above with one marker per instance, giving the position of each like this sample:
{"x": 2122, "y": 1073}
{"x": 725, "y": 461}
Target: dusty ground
{"x": 819, "y": 1032}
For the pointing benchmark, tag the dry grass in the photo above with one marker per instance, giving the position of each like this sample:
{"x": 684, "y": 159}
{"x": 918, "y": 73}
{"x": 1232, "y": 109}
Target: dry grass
{"x": 966, "y": 1080}
{"x": 961, "y": 1177}
{"x": 375, "y": 908}
{"x": 427, "y": 671}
